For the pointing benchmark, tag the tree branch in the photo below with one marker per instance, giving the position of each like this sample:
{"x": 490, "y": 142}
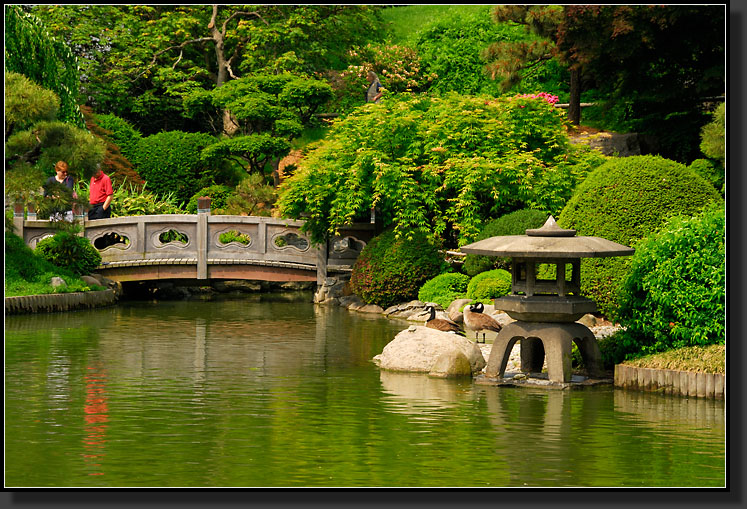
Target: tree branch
{"x": 241, "y": 13}
{"x": 181, "y": 46}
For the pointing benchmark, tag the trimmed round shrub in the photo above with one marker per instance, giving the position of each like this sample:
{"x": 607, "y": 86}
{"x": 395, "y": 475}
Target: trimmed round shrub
{"x": 675, "y": 293}
{"x": 712, "y": 172}
{"x": 515, "y": 223}
{"x": 390, "y": 270}
{"x": 444, "y": 288}
{"x": 489, "y": 285}
{"x": 625, "y": 200}
{"x": 218, "y": 195}
{"x": 65, "y": 249}
{"x": 170, "y": 162}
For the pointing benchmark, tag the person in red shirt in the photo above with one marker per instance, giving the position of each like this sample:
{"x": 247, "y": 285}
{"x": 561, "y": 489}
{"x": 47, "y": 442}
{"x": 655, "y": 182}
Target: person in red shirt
{"x": 100, "y": 195}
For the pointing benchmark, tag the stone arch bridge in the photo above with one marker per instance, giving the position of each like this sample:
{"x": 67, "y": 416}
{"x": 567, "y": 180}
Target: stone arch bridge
{"x": 203, "y": 246}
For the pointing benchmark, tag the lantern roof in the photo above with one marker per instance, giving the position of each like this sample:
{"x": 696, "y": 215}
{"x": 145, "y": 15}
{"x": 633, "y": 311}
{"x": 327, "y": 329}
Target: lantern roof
{"x": 550, "y": 241}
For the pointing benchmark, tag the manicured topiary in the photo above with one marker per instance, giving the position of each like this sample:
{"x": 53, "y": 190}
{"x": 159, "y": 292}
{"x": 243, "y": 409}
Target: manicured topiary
{"x": 390, "y": 270}
{"x": 515, "y": 223}
{"x": 444, "y": 288}
{"x": 218, "y": 195}
{"x": 489, "y": 285}
{"x": 625, "y": 200}
{"x": 170, "y": 162}
{"x": 674, "y": 295}
{"x": 66, "y": 249}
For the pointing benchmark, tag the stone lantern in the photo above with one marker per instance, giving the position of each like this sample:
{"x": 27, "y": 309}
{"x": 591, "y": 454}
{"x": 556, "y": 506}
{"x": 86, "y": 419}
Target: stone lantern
{"x": 545, "y": 310}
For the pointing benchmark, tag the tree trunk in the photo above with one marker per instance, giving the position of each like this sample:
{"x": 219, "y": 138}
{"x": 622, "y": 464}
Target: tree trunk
{"x": 229, "y": 125}
{"x": 574, "y": 103}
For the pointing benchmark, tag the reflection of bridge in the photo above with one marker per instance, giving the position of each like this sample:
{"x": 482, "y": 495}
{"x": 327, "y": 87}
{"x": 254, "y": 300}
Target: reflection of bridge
{"x": 202, "y": 246}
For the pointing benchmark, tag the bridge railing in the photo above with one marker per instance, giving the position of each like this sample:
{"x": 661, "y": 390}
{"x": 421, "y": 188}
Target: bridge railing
{"x": 204, "y": 240}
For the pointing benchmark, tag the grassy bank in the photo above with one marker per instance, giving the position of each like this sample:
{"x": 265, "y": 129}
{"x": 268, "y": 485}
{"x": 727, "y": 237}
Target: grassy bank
{"x": 28, "y": 274}
{"x": 703, "y": 359}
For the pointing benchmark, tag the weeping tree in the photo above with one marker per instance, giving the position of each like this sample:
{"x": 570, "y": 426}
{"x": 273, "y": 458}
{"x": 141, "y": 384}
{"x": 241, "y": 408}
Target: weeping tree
{"x": 31, "y": 51}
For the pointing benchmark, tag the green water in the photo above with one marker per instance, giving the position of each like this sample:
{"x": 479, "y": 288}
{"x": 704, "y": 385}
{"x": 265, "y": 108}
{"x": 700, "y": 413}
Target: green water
{"x": 274, "y": 392}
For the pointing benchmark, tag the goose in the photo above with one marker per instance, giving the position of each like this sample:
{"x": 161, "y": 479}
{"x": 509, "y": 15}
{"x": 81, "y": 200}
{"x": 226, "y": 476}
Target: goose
{"x": 475, "y": 320}
{"x": 441, "y": 324}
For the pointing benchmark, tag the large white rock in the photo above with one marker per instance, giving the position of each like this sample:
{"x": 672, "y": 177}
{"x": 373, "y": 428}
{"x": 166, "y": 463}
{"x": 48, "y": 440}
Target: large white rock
{"x": 418, "y": 347}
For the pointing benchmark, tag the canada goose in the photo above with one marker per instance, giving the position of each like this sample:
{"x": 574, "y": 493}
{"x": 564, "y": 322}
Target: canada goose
{"x": 441, "y": 324}
{"x": 475, "y": 320}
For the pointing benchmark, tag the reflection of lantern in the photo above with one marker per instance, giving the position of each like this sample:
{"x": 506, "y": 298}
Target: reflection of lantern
{"x": 546, "y": 310}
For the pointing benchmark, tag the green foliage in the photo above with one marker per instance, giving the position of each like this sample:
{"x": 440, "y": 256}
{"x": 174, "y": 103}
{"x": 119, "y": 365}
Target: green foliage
{"x": 711, "y": 171}
{"x": 28, "y": 274}
{"x": 674, "y": 294}
{"x": 131, "y": 200}
{"x": 170, "y": 162}
{"x": 435, "y": 164}
{"x": 398, "y": 67}
{"x": 218, "y": 195}
{"x": 27, "y": 103}
{"x": 252, "y": 197}
{"x": 625, "y": 200}
{"x": 444, "y": 288}
{"x": 234, "y": 236}
{"x": 66, "y": 249}
{"x": 121, "y": 132}
{"x": 489, "y": 285}
{"x": 30, "y": 50}
{"x": 514, "y": 223}
{"x": 713, "y": 136}
{"x": 390, "y": 270}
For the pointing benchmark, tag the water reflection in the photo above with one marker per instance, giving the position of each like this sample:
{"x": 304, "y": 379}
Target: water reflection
{"x": 96, "y": 417}
{"x": 284, "y": 393}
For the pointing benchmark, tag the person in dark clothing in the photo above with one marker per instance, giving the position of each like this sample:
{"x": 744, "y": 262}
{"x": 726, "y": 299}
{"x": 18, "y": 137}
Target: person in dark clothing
{"x": 61, "y": 178}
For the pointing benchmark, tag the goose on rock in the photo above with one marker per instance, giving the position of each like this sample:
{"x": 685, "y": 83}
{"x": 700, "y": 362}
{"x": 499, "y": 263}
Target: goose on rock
{"x": 441, "y": 324}
{"x": 475, "y": 320}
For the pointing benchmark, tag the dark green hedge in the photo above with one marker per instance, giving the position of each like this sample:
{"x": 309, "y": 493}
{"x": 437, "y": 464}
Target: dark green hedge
{"x": 121, "y": 133}
{"x": 389, "y": 270}
{"x": 625, "y": 200}
{"x": 170, "y": 162}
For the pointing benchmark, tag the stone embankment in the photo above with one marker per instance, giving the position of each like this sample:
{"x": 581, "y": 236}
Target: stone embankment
{"x": 55, "y": 302}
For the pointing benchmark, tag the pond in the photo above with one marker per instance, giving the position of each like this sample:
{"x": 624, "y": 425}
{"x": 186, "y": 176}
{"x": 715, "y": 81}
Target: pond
{"x": 274, "y": 391}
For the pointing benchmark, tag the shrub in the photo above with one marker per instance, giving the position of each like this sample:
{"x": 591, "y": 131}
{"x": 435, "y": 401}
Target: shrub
{"x": 170, "y": 162}
{"x": 391, "y": 270}
{"x": 625, "y": 200}
{"x": 713, "y": 136}
{"x": 252, "y": 197}
{"x": 66, "y": 249}
{"x": 710, "y": 171}
{"x": 121, "y": 132}
{"x": 674, "y": 294}
{"x": 489, "y": 285}
{"x": 514, "y": 223}
{"x": 444, "y": 288}
{"x": 218, "y": 195}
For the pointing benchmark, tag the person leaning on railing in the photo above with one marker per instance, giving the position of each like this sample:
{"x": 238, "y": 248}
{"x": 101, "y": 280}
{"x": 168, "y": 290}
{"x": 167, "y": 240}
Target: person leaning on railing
{"x": 100, "y": 195}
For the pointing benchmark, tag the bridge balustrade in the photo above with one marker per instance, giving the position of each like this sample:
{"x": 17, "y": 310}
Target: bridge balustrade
{"x": 204, "y": 246}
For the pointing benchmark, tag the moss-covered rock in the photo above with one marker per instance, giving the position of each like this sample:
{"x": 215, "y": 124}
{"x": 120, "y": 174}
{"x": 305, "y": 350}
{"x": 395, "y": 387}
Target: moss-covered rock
{"x": 625, "y": 200}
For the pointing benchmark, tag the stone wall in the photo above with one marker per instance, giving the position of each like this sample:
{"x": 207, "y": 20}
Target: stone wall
{"x": 59, "y": 302}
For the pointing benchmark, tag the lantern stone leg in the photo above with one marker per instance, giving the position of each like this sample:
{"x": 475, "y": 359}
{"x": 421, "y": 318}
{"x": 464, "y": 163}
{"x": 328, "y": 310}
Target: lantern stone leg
{"x": 557, "y": 340}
